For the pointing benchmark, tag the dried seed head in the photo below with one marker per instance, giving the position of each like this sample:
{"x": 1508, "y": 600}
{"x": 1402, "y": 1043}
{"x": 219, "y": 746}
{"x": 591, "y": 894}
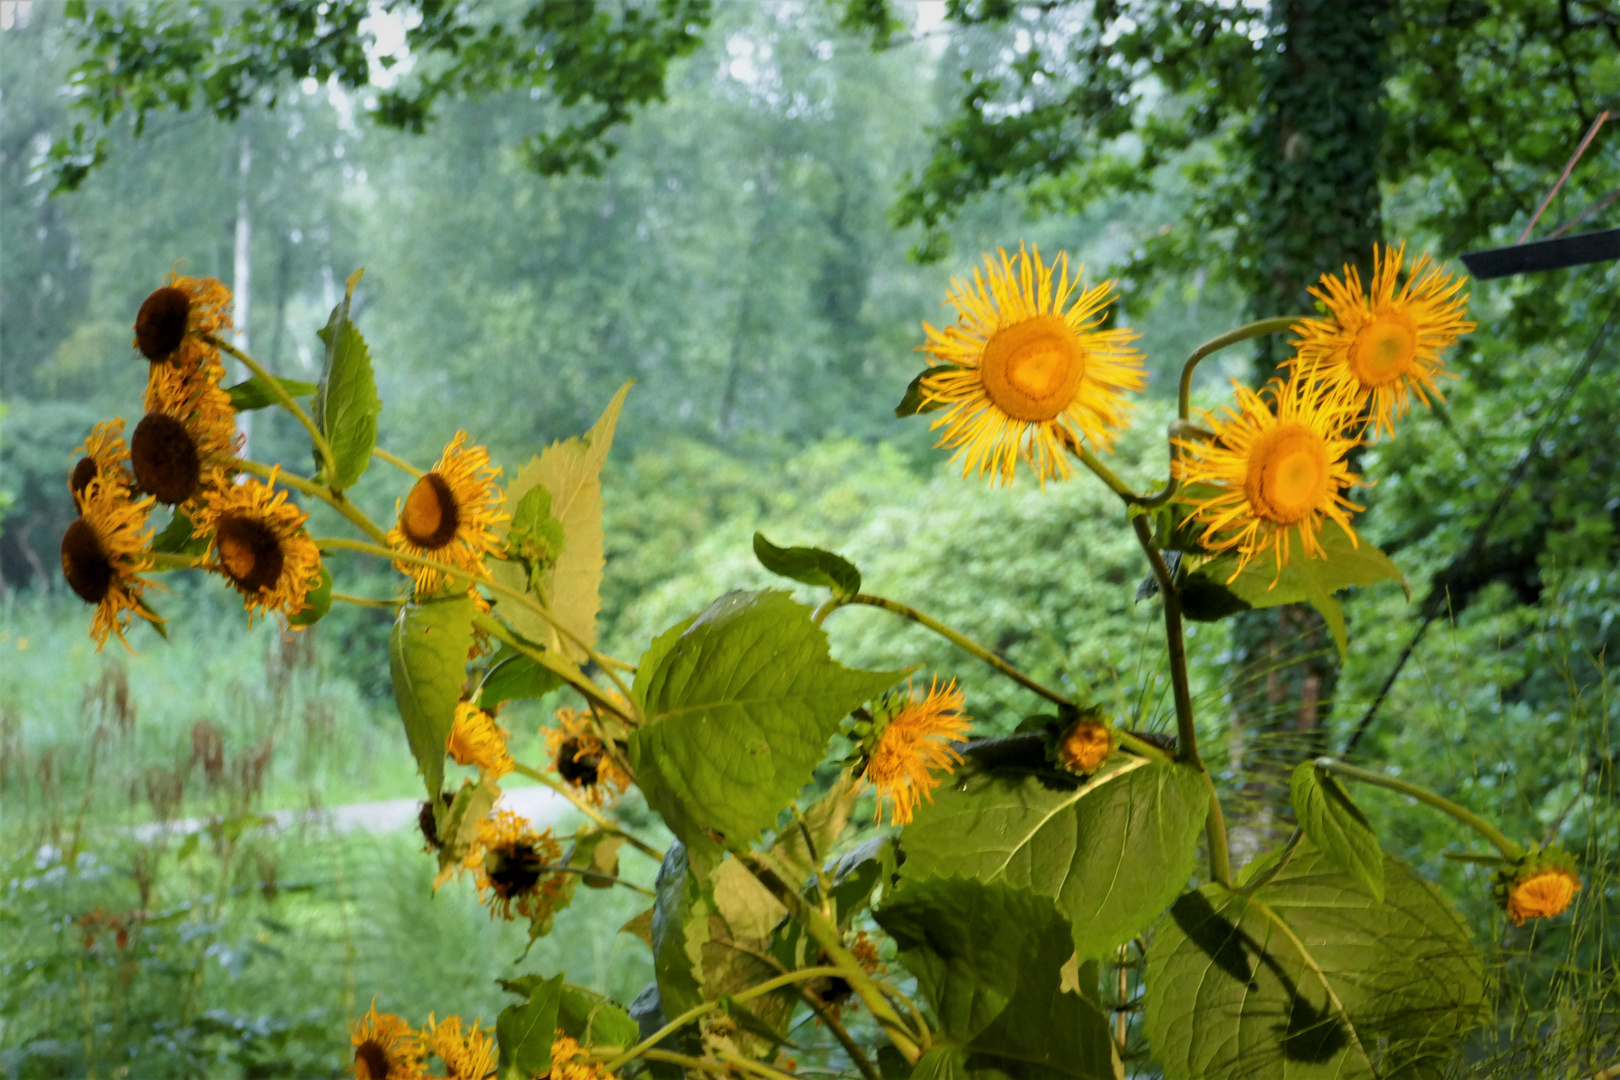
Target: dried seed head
{"x": 165, "y": 457}
{"x": 578, "y": 769}
{"x": 161, "y": 324}
{"x": 85, "y": 564}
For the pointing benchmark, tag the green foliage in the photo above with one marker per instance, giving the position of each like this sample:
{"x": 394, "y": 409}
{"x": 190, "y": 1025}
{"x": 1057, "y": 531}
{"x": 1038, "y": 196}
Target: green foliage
{"x": 255, "y": 393}
{"x": 812, "y": 566}
{"x": 525, "y": 1031}
{"x": 1337, "y": 827}
{"x": 346, "y": 404}
{"x": 1303, "y": 973}
{"x": 1111, "y": 853}
{"x": 511, "y": 677}
{"x": 593, "y": 1019}
{"x": 427, "y": 656}
{"x": 738, "y": 710}
{"x": 986, "y": 958}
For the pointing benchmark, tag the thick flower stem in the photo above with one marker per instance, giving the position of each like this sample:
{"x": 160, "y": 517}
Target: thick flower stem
{"x": 323, "y": 449}
{"x": 1510, "y": 849}
{"x": 1105, "y": 474}
{"x": 317, "y": 491}
{"x": 1231, "y": 337}
{"x": 566, "y": 670}
{"x": 830, "y": 1021}
{"x": 162, "y": 560}
{"x": 606, "y": 823}
{"x": 965, "y": 643}
{"x": 597, "y": 875}
{"x": 698, "y": 1011}
{"x": 910, "y": 1044}
{"x": 398, "y": 462}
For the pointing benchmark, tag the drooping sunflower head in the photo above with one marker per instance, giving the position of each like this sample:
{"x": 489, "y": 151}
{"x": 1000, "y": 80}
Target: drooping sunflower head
{"x": 1384, "y": 342}
{"x": 1540, "y": 885}
{"x": 467, "y": 1053}
{"x": 385, "y": 1047}
{"x": 105, "y": 456}
{"x": 104, "y": 553}
{"x": 1085, "y": 744}
{"x": 174, "y": 320}
{"x": 582, "y": 759}
{"x": 1026, "y": 372}
{"x": 510, "y": 860}
{"x": 911, "y": 740}
{"x": 450, "y": 515}
{"x": 1274, "y": 471}
{"x": 259, "y": 545}
{"x": 476, "y": 739}
{"x": 188, "y": 432}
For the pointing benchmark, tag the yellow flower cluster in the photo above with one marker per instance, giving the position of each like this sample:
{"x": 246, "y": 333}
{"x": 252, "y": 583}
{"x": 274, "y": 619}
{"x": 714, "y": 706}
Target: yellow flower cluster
{"x": 910, "y": 744}
{"x": 386, "y": 1047}
{"x": 581, "y": 758}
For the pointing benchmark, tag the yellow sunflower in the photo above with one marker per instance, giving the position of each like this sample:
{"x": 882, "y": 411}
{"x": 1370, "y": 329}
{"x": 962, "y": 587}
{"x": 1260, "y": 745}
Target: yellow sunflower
{"x": 103, "y": 554}
{"x": 174, "y": 319}
{"x": 259, "y": 545}
{"x": 187, "y": 435}
{"x": 385, "y": 1047}
{"x": 1271, "y": 474}
{"x": 475, "y": 739}
{"x": 569, "y": 1061}
{"x": 1384, "y": 343}
{"x": 509, "y": 861}
{"x": 467, "y": 1053}
{"x": 911, "y": 742}
{"x": 105, "y": 456}
{"x": 580, "y": 758}
{"x": 451, "y": 515}
{"x": 1025, "y": 373}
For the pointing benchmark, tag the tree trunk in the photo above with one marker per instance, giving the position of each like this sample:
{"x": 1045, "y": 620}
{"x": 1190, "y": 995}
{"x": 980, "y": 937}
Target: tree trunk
{"x": 1315, "y": 156}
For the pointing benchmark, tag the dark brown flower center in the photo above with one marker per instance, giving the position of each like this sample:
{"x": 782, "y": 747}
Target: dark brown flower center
{"x": 84, "y": 563}
{"x": 428, "y": 822}
{"x": 514, "y": 870}
{"x": 371, "y": 1061}
{"x": 429, "y": 518}
{"x": 161, "y": 324}
{"x": 165, "y": 458}
{"x": 83, "y": 473}
{"x": 249, "y": 552}
{"x": 578, "y": 769}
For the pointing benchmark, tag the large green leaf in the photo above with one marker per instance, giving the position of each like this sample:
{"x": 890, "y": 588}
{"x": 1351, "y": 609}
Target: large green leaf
{"x": 1344, "y": 562}
{"x": 812, "y": 566}
{"x": 1112, "y": 853}
{"x": 1337, "y": 826}
{"x": 594, "y": 1020}
{"x": 738, "y": 711}
{"x": 1310, "y": 977}
{"x": 680, "y": 926}
{"x": 427, "y": 656}
{"x": 988, "y": 960}
{"x": 570, "y": 582}
{"x": 524, "y": 1033}
{"x": 346, "y": 405}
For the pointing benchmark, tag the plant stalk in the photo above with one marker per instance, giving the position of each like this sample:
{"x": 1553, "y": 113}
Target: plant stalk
{"x": 1510, "y": 849}
{"x": 286, "y": 400}
{"x": 317, "y": 491}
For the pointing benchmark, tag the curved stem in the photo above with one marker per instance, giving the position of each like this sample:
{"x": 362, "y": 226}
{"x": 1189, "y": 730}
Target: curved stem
{"x": 831, "y": 1022}
{"x": 967, "y": 644}
{"x": 318, "y": 491}
{"x": 365, "y": 601}
{"x": 323, "y": 449}
{"x": 697, "y": 1011}
{"x": 606, "y": 823}
{"x": 1105, "y": 474}
{"x": 824, "y": 609}
{"x": 1186, "y": 734}
{"x": 1215, "y": 345}
{"x": 596, "y": 875}
{"x": 565, "y": 669}
{"x": 398, "y": 462}
{"x": 163, "y": 560}
{"x": 1510, "y": 849}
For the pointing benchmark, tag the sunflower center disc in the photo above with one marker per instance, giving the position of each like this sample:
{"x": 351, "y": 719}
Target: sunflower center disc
{"x": 1288, "y": 473}
{"x": 371, "y": 1061}
{"x": 165, "y": 458}
{"x": 429, "y": 518}
{"x": 578, "y": 769}
{"x": 1383, "y": 349}
{"x": 84, "y": 563}
{"x": 249, "y": 552}
{"x": 160, "y": 325}
{"x": 83, "y": 473}
{"x": 1032, "y": 369}
{"x": 515, "y": 871}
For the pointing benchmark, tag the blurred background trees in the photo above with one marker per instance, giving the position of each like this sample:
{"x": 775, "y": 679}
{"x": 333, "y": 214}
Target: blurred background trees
{"x": 749, "y": 208}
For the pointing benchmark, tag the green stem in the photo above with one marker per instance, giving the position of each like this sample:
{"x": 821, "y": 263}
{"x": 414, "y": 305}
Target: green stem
{"x": 1105, "y": 474}
{"x": 606, "y": 823}
{"x": 398, "y": 462}
{"x": 165, "y": 561}
{"x": 317, "y": 491}
{"x": 1220, "y": 851}
{"x": 831, "y": 1022}
{"x": 322, "y": 448}
{"x": 596, "y": 875}
{"x": 1142, "y": 747}
{"x": 565, "y": 669}
{"x": 910, "y": 1044}
{"x": 960, "y": 641}
{"x": 1215, "y": 345}
{"x": 1510, "y": 849}
{"x": 366, "y": 601}
{"x": 698, "y": 1011}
